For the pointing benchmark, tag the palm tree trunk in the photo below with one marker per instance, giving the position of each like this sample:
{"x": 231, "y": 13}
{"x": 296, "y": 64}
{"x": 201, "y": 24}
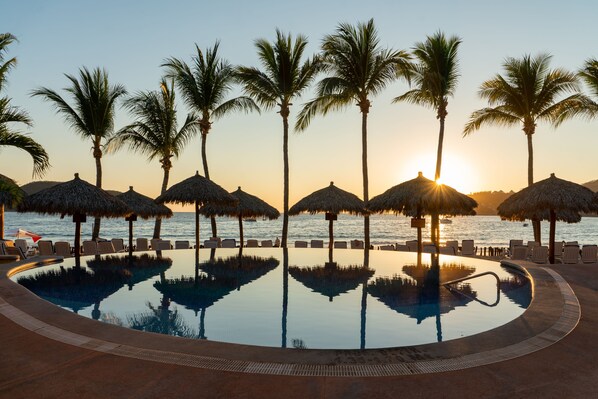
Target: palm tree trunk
{"x": 206, "y": 173}
{"x": 530, "y": 181}
{"x": 241, "y": 231}
{"x": 364, "y": 165}
{"x": 97, "y": 153}
{"x": 435, "y": 216}
{"x": 1, "y": 221}
{"x": 158, "y": 224}
{"x": 285, "y": 155}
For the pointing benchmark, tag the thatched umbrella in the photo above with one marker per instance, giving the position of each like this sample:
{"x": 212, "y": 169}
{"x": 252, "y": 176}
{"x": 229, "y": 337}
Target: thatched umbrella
{"x": 142, "y": 206}
{"x": 199, "y": 191}
{"x": 77, "y": 198}
{"x": 249, "y": 206}
{"x": 10, "y": 195}
{"x": 422, "y": 196}
{"x": 550, "y": 199}
{"x": 331, "y": 200}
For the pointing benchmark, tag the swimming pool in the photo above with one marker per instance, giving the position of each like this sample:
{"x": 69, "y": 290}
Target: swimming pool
{"x": 288, "y": 298}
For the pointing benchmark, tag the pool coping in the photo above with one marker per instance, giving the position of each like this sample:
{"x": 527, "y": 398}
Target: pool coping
{"x": 553, "y": 314}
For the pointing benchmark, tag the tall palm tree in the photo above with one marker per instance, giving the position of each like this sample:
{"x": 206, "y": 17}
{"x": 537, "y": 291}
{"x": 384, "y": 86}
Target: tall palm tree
{"x": 358, "y": 69}
{"x": 155, "y": 133}
{"x": 528, "y": 93}
{"x": 435, "y": 77}
{"x": 92, "y": 115}
{"x": 589, "y": 74}
{"x": 205, "y": 88}
{"x": 283, "y": 78}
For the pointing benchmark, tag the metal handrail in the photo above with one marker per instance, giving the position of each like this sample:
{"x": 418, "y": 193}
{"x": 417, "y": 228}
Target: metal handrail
{"x": 459, "y": 280}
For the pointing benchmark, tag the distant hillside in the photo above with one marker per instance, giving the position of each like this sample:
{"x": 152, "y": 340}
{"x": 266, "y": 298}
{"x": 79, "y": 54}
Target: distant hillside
{"x": 488, "y": 201}
{"x": 592, "y": 185}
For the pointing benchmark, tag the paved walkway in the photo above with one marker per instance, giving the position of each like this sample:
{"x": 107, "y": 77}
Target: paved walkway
{"x": 35, "y": 366}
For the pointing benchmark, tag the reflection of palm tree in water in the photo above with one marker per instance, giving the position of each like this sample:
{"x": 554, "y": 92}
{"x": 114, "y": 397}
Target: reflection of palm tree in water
{"x": 285, "y": 294}
{"x": 161, "y": 320}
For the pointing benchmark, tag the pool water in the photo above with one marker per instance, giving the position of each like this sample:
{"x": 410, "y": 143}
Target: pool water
{"x": 297, "y": 298}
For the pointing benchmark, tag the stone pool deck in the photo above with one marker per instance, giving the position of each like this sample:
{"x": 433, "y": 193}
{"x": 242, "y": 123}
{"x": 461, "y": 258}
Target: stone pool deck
{"x": 91, "y": 360}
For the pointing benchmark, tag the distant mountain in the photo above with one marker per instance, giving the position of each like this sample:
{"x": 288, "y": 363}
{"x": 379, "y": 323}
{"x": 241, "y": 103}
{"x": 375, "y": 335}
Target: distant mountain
{"x": 592, "y": 185}
{"x": 488, "y": 201}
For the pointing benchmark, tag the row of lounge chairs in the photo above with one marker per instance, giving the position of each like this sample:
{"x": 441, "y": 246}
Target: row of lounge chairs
{"x": 564, "y": 252}
{"x": 353, "y": 244}
{"x": 451, "y": 247}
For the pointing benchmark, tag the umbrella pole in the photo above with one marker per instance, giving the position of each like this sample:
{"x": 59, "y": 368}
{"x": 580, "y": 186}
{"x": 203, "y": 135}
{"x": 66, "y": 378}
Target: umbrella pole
{"x": 196, "y": 224}
{"x": 77, "y": 242}
{"x": 241, "y": 230}
{"x": 330, "y": 233}
{"x": 131, "y": 238}
{"x": 552, "y": 234}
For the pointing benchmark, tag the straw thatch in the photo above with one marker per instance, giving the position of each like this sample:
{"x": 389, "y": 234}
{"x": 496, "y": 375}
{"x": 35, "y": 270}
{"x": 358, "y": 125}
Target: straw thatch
{"x": 422, "y": 196}
{"x": 10, "y": 193}
{"x": 196, "y": 189}
{"x": 330, "y": 199}
{"x": 247, "y": 206}
{"x": 565, "y": 198}
{"x": 143, "y": 206}
{"x": 75, "y": 197}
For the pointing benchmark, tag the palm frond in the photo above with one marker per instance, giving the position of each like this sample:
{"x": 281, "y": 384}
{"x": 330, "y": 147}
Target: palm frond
{"x": 490, "y": 116}
{"x": 41, "y": 161}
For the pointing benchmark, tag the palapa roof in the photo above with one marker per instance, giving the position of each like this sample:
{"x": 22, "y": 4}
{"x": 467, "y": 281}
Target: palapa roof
{"x": 10, "y": 193}
{"x": 565, "y": 198}
{"x": 248, "y": 206}
{"x": 330, "y": 199}
{"x": 422, "y": 196}
{"x": 143, "y": 206}
{"x": 196, "y": 189}
{"x": 74, "y": 197}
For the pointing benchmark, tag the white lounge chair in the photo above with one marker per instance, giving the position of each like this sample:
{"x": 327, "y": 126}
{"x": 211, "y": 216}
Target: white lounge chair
{"x": 162, "y": 245}
{"x": 45, "y": 247}
{"x": 448, "y": 250}
{"x": 571, "y": 254}
{"x": 267, "y": 244}
{"x": 317, "y": 244}
{"x": 19, "y": 242}
{"x": 229, "y": 243}
{"x": 558, "y": 250}
{"x": 184, "y": 244}
{"x": 118, "y": 244}
{"x": 387, "y": 247}
{"x": 252, "y": 244}
{"x": 468, "y": 248}
{"x": 540, "y": 254}
{"x": 357, "y": 244}
{"x": 402, "y": 247}
{"x": 519, "y": 252}
{"x": 429, "y": 249}
{"x": 141, "y": 244}
{"x": 452, "y": 244}
{"x": 412, "y": 245}
{"x": 210, "y": 244}
{"x": 589, "y": 254}
{"x": 300, "y": 244}
{"x": 11, "y": 250}
{"x": 105, "y": 247}
{"x": 340, "y": 244}
{"x": 513, "y": 244}
{"x": 90, "y": 247}
{"x": 63, "y": 249}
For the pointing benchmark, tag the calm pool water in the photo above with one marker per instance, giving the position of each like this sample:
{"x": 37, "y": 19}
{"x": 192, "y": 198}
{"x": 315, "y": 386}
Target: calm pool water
{"x": 293, "y": 298}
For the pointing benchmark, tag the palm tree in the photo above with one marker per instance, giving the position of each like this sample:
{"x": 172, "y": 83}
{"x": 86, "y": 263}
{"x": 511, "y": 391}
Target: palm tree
{"x": 11, "y": 114}
{"x": 435, "y": 77}
{"x": 589, "y": 74}
{"x": 283, "y": 78}
{"x": 91, "y": 116}
{"x": 204, "y": 89}
{"x": 358, "y": 69}
{"x": 526, "y": 95}
{"x": 155, "y": 132}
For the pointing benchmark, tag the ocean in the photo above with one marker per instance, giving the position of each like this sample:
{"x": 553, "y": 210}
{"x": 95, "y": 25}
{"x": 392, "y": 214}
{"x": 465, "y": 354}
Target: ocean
{"x": 487, "y": 231}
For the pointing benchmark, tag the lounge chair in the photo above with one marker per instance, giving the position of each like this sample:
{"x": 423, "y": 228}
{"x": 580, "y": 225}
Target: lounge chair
{"x": 218, "y": 241}
{"x": 357, "y": 244}
{"x": 105, "y": 247}
{"x": 118, "y": 244}
{"x": 162, "y": 245}
{"x": 540, "y": 254}
{"x": 90, "y": 248}
{"x": 448, "y": 250}
{"x": 141, "y": 244}
{"x": 154, "y": 243}
{"x": 387, "y": 247}
{"x": 317, "y": 244}
{"x": 340, "y": 244}
{"x": 452, "y": 244}
{"x": 300, "y": 244}
{"x": 589, "y": 254}
{"x": 267, "y": 244}
{"x": 519, "y": 252}
{"x": 45, "y": 248}
{"x": 229, "y": 243}
{"x": 571, "y": 254}
{"x": 15, "y": 251}
{"x": 182, "y": 244}
{"x": 513, "y": 244}
{"x": 19, "y": 242}
{"x": 210, "y": 244}
{"x": 4, "y": 256}
{"x": 402, "y": 247}
{"x": 412, "y": 245}
{"x": 468, "y": 248}
{"x": 252, "y": 244}
{"x": 429, "y": 249}
{"x": 558, "y": 250}
{"x": 63, "y": 249}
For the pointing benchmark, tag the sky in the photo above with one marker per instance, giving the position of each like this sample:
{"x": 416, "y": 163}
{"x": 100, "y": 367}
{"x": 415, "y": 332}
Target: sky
{"x": 131, "y": 39}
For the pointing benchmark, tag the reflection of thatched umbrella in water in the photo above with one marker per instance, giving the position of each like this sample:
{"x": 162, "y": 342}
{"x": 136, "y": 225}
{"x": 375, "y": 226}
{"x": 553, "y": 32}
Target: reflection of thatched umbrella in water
{"x": 331, "y": 200}
{"x": 75, "y": 287}
{"x": 196, "y": 190}
{"x": 77, "y": 198}
{"x": 202, "y": 291}
{"x": 142, "y": 206}
{"x": 139, "y": 268}
{"x": 10, "y": 195}
{"x": 421, "y": 296}
{"x": 517, "y": 288}
{"x": 249, "y": 206}
{"x": 550, "y": 199}
{"x": 419, "y": 197}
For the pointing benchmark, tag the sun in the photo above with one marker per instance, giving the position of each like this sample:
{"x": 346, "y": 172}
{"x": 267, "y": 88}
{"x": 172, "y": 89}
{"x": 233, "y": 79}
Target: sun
{"x": 456, "y": 171}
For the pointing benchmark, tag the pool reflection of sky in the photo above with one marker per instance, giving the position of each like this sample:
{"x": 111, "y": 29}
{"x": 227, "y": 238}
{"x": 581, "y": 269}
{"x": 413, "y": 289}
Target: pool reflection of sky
{"x": 307, "y": 301}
